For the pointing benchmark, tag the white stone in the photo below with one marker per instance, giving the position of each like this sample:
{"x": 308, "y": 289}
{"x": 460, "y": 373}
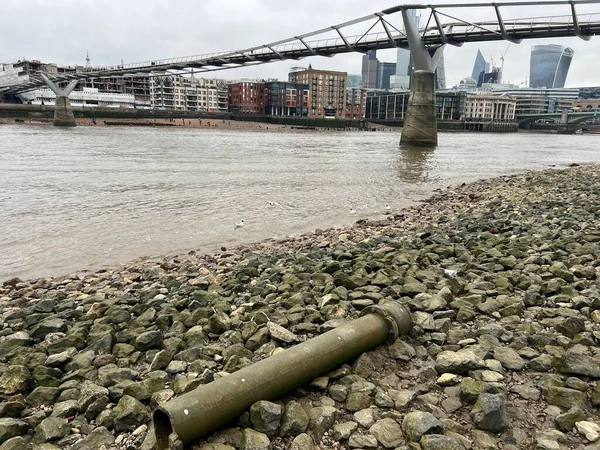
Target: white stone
{"x": 590, "y": 430}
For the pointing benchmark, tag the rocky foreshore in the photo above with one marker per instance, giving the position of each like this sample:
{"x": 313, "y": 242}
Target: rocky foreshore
{"x": 501, "y": 276}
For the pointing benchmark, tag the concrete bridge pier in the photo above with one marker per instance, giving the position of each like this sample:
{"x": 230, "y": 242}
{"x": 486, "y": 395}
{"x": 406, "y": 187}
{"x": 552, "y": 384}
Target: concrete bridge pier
{"x": 63, "y": 113}
{"x": 420, "y": 120}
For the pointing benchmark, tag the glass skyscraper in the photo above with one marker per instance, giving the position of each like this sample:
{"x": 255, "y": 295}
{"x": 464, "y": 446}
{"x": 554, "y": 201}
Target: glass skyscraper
{"x": 481, "y": 65}
{"x": 549, "y": 65}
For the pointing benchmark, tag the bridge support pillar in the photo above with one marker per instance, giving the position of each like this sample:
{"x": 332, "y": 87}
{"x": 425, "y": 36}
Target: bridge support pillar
{"x": 420, "y": 120}
{"x": 63, "y": 113}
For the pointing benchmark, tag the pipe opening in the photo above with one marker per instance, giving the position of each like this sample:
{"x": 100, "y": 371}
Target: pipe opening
{"x": 162, "y": 429}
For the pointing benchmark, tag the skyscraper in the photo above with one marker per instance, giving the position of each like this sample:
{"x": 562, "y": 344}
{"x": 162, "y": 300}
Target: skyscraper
{"x": 401, "y": 80}
{"x": 440, "y": 74}
{"x": 549, "y": 65}
{"x": 370, "y": 70}
{"x": 386, "y": 70}
{"x": 481, "y": 65}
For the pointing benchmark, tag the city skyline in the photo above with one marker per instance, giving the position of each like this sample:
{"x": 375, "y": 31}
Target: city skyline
{"x": 64, "y": 33}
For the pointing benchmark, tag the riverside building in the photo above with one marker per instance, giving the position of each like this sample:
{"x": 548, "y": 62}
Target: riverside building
{"x": 489, "y": 107}
{"x": 327, "y": 91}
{"x": 179, "y": 93}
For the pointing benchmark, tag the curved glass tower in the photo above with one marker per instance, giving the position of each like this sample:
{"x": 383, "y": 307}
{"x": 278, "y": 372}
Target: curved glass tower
{"x": 549, "y": 65}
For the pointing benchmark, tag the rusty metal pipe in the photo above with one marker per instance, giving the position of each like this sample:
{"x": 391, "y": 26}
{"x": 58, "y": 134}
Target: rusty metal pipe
{"x": 211, "y": 406}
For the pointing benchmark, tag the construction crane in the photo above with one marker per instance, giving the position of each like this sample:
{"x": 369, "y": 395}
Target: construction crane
{"x": 502, "y": 65}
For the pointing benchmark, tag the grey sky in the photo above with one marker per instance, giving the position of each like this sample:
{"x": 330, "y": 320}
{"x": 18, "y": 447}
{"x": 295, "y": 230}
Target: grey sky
{"x": 139, "y": 30}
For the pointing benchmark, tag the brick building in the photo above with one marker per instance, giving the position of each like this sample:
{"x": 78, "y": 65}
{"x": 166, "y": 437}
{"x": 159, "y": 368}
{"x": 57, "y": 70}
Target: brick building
{"x": 327, "y": 91}
{"x": 246, "y": 97}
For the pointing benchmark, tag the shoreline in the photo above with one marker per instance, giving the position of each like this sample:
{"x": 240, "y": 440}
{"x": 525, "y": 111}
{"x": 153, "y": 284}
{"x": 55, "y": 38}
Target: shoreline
{"x": 500, "y": 276}
{"x": 200, "y": 124}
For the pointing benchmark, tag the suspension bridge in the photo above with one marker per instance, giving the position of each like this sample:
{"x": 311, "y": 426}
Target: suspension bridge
{"x": 444, "y": 24}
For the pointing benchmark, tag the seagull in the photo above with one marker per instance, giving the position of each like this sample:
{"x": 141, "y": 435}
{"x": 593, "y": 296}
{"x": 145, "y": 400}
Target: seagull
{"x": 271, "y": 203}
{"x": 352, "y": 211}
{"x": 388, "y": 207}
{"x": 239, "y": 224}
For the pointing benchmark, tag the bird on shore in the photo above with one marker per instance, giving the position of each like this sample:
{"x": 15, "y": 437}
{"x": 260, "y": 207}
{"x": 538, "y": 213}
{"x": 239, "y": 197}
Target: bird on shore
{"x": 352, "y": 211}
{"x": 239, "y": 224}
{"x": 388, "y": 207}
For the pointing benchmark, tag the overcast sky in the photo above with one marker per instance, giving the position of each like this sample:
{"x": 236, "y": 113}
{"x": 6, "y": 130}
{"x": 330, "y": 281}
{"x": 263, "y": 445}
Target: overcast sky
{"x": 62, "y": 31}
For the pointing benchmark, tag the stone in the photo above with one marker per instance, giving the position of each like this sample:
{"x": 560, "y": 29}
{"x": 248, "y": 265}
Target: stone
{"x": 440, "y": 442}
{"x": 266, "y": 416}
{"x": 489, "y": 413}
{"x": 322, "y": 419}
{"x": 14, "y": 380}
{"x": 89, "y": 394}
{"x": 51, "y": 429}
{"x": 448, "y": 379}
{"x": 401, "y": 350}
{"x": 387, "y": 432}
{"x": 295, "y": 420}
{"x": 458, "y": 362}
{"x": 10, "y": 428}
{"x": 342, "y": 431}
{"x": 418, "y": 423}
{"x": 302, "y": 442}
{"x": 550, "y": 440}
{"x": 254, "y": 440}
{"x": 362, "y": 441}
{"x": 148, "y": 340}
{"x": 509, "y": 358}
{"x": 42, "y": 395}
{"x": 566, "y": 398}
{"x": 47, "y": 326}
{"x": 279, "y": 333}
{"x": 365, "y": 417}
{"x": 17, "y": 443}
{"x": 590, "y": 430}
{"x": 98, "y": 438}
{"x": 566, "y": 421}
{"x": 578, "y": 364}
{"x": 219, "y": 323}
{"x": 355, "y": 401}
{"x": 571, "y": 326}
{"x": 129, "y": 414}
{"x": 402, "y": 399}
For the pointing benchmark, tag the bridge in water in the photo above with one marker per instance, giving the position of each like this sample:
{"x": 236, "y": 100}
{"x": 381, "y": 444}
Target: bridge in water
{"x": 574, "y": 117}
{"x": 446, "y": 24}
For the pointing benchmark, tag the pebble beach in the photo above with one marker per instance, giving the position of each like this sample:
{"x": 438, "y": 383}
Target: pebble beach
{"x": 501, "y": 277}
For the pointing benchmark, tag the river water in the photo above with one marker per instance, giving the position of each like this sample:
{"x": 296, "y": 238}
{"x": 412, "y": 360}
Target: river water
{"x": 75, "y": 199}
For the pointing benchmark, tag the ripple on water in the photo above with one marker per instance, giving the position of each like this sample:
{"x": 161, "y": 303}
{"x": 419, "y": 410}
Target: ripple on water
{"x": 82, "y": 198}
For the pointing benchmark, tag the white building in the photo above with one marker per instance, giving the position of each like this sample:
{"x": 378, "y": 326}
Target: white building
{"x": 489, "y": 107}
{"x": 179, "y": 93}
{"x": 10, "y": 75}
{"x": 88, "y": 97}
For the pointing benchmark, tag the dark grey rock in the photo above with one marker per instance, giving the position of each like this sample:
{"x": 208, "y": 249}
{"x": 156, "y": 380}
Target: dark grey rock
{"x": 51, "y": 429}
{"x": 295, "y": 420}
{"x": 418, "y": 423}
{"x": 266, "y": 417}
{"x": 578, "y": 364}
{"x": 98, "y": 438}
{"x": 10, "y": 428}
{"x": 489, "y": 413}
{"x": 148, "y": 340}
{"x": 130, "y": 414}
